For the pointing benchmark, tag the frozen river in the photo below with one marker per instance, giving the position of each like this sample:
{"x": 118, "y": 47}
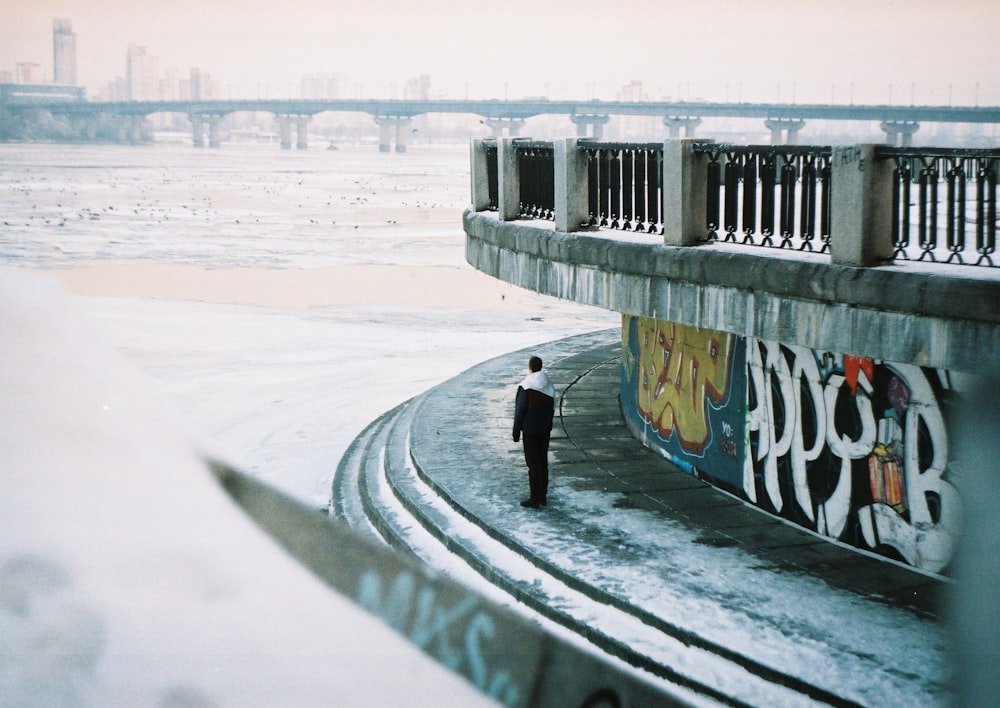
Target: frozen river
{"x": 281, "y": 300}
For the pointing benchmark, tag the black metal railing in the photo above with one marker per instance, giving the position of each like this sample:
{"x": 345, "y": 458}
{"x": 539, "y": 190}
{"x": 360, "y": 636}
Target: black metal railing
{"x": 773, "y": 196}
{"x": 944, "y": 201}
{"x": 625, "y": 186}
{"x": 536, "y": 166}
{"x": 944, "y": 221}
{"x": 492, "y": 174}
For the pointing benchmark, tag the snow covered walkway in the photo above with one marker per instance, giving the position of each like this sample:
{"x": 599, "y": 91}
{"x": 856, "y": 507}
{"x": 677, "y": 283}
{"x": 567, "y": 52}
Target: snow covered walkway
{"x": 644, "y": 561}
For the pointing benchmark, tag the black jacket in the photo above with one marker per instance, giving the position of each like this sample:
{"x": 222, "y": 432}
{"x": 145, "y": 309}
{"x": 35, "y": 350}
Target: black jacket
{"x": 533, "y": 412}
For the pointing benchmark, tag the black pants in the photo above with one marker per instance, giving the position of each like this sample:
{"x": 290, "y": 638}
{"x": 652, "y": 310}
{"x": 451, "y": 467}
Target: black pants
{"x": 536, "y": 455}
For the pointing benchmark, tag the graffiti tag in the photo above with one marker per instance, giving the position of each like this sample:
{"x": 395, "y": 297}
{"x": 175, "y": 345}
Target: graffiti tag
{"x": 454, "y": 635}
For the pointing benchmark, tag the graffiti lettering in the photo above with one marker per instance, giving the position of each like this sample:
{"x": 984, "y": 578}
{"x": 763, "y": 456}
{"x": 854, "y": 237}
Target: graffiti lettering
{"x": 847, "y": 446}
{"x": 418, "y": 615}
{"x": 848, "y": 156}
{"x": 680, "y": 368}
{"x": 927, "y": 539}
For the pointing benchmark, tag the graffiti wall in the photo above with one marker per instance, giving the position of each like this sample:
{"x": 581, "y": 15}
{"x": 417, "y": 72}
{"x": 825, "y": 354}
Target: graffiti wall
{"x": 850, "y": 447}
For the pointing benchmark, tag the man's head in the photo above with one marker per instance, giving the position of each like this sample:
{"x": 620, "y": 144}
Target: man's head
{"x": 534, "y": 364}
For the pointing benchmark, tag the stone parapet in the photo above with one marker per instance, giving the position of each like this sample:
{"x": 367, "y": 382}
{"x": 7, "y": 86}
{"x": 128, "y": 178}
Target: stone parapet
{"x": 921, "y": 313}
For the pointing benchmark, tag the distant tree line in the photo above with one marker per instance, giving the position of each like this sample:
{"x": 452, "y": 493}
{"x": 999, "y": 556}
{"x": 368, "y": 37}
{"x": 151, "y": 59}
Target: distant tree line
{"x": 42, "y": 126}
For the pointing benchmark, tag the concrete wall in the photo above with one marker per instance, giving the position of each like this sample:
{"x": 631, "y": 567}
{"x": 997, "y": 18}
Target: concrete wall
{"x": 922, "y": 314}
{"x": 851, "y": 447}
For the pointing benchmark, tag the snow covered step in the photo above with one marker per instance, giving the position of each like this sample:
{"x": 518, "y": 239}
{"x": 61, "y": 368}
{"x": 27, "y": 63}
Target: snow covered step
{"x": 346, "y": 503}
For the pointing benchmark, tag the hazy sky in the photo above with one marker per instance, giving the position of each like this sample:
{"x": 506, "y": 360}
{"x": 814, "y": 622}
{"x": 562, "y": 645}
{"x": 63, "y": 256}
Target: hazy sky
{"x": 926, "y": 51}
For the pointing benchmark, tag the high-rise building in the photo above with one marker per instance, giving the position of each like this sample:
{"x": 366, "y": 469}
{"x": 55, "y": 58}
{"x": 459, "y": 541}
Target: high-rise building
{"x": 28, "y": 72}
{"x": 142, "y": 75}
{"x": 418, "y": 88}
{"x": 322, "y": 86}
{"x": 63, "y": 53}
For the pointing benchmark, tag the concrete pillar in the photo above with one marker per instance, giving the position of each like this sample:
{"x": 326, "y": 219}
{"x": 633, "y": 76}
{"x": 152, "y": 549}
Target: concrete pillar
{"x": 302, "y": 132}
{"x": 197, "y": 131}
{"x": 591, "y": 126}
{"x": 792, "y": 131}
{"x": 899, "y": 133}
{"x": 402, "y": 127}
{"x": 479, "y": 173}
{"x": 784, "y": 131}
{"x": 508, "y": 181}
{"x": 285, "y": 132}
{"x": 505, "y": 127}
{"x": 685, "y": 193}
{"x": 135, "y": 129}
{"x": 676, "y": 123}
{"x": 385, "y": 126}
{"x": 572, "y": 210}
{"x": 214, "y": 131}
{"x": 861, "y": 216}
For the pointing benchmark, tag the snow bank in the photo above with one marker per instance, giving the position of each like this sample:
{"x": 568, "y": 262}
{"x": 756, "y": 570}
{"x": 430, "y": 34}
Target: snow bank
{"x": 128, "y": 577}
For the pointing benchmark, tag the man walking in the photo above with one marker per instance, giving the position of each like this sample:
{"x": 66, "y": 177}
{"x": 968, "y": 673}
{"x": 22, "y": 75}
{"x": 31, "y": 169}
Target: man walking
{"x": 534, "y": 408}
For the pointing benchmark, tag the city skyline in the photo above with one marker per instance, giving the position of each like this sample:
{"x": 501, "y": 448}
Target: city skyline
{"x": 770, "y": 50}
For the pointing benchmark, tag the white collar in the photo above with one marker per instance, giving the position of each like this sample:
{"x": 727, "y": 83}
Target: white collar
{"x": 539, "y": 381}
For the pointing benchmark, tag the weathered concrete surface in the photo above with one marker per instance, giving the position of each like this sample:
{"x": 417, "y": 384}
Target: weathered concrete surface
{"x": 918, "y": 313}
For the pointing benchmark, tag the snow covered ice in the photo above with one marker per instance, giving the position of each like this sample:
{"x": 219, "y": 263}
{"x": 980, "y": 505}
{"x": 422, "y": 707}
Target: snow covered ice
{"x": 216, "y": 308}
{"x": 283, "y": 299}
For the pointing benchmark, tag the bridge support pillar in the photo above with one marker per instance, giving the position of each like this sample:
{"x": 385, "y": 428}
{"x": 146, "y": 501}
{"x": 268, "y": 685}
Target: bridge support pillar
{"x": 899, "y": 133}
{"x": 135, "y": 130}
{"x": 392, "y": 128}
{"x": 214, "y": 133}
{"x": 589, "y": 126}
{"x": 384, "y": 133}
{"x": 197, "y": 131}
{"x": 85, "y": 127}
{"x": 285, "y": 132}
{"x": 402, "y": 126}
{"x": 784, "y": 131}
{"x": 302, "y": 132}
{"x": 505, "y": 127}
{"x": 676, "y": 123}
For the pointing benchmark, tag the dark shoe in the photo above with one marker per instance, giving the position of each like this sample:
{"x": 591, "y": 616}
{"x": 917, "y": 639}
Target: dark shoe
{"x": 530, "y": 503}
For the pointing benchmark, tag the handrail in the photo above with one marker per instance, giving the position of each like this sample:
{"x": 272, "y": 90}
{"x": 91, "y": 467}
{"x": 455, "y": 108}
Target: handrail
{"x": 758, "y": 187}
{"x": 772, "y": 196}
{"x": 928, "y": 169}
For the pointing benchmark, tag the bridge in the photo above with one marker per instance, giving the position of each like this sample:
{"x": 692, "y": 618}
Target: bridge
{"x": 506, "y": 118}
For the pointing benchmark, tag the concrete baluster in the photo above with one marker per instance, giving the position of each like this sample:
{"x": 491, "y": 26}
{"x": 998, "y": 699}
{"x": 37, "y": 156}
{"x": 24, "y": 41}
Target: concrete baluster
{"x": 479, "y": 171}
{"x": 685, "y": 193}
{"x": 508, "y": 180}
{"x": 861, "y": 216}
{"x": 572, "y": 211}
